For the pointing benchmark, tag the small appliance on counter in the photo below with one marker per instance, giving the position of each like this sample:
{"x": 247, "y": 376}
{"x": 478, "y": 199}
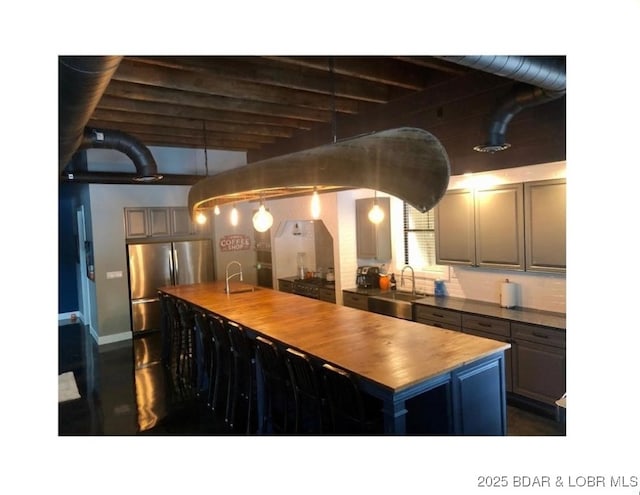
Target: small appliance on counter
{"x": 367, "y": 277}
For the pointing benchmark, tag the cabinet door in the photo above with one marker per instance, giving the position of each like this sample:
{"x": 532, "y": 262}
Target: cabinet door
{"x": 373, "y": 240}
{"x": 181, "y": 221}
{"x": 159, "y": 222}
{"x": 499, "y": 227}
{"x": 358, "y": 301}
{"x": 454, "y": 226}
{"x": 545, "y": 225}
{"x": 539, "y": 371}
{"x": 136, "y": 223}
{"x": 508, "y": 366}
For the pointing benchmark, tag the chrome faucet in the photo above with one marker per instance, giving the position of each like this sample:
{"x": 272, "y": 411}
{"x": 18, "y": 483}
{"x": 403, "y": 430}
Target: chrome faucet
{"x": 413, "y": 278}
{"x": 228, "y": 277}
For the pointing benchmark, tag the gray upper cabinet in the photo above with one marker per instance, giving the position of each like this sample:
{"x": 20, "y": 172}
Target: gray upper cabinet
{"x": 545, "y": 225}
{"x": 482, "y": 228}
{"x": 499, "y": 227}
{"x": 136, "y": 222}
{"x": 455, "y": 229}
{"x": 162, "y": 221}
{"x": 373, "y": 240}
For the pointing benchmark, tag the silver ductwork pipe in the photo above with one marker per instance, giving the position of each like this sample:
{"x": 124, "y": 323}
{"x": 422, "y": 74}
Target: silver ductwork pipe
{"x": 146, "y": 168}
{"x": 81, "y": 83}
{"x": 543, "y": 78}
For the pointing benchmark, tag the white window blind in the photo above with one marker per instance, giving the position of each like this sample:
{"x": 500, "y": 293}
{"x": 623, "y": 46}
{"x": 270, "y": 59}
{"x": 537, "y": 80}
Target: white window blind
{"x": 419, "y": 238}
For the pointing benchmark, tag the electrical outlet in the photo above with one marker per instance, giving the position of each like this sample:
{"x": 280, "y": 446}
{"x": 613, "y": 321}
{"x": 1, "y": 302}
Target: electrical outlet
{"x": 117, "y": 274}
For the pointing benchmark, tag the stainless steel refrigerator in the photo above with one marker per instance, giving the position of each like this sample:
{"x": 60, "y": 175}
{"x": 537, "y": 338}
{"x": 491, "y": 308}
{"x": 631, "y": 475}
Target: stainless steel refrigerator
{"x": 161, "y": 264}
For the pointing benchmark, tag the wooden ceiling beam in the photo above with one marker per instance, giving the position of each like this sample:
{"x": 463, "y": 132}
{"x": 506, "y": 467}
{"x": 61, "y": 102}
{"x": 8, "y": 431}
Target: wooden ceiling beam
{"x": 118, "y": 117}
{"x": 383, "y": 70}
{"x": 198, "y": 82}
{"x": 138, "y": 106}
{"x": 263, "y": 71}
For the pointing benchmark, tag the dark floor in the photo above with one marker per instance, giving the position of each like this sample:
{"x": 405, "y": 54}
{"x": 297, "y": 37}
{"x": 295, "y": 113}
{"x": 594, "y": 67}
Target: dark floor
{"x": 125, "y": 390}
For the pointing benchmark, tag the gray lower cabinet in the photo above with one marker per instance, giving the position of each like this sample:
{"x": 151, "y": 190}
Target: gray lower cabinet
{"x": 327, "y": 295}
{"x": 353, "y": 300}
{"x": 491, "y": 328}
{"x": 539, "y": 362}
{"x": 436, "y": 317}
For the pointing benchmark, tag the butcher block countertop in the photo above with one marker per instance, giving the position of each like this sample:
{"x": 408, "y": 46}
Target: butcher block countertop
{"x": 394, "y": 354}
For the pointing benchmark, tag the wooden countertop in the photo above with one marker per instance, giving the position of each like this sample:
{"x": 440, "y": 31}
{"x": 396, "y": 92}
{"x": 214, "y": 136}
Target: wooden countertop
{"x": 394, "y": 353}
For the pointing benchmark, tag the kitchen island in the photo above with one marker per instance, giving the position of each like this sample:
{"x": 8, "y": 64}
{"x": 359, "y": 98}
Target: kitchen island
{"x": 414, "y": 369}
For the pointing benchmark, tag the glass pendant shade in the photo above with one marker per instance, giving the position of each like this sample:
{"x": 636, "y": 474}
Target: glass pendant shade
{"x": 376, "y": 215}
{"x": 234, "y": 216}
{"x": 315, "y": 205}
{"x": 262, "y": 220}
{"x": 216, "y": 210}
{"x": 201, "y": 218}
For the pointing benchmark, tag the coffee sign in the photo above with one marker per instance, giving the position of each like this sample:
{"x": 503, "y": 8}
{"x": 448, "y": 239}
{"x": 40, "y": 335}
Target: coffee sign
{"x": 235, "y": 242}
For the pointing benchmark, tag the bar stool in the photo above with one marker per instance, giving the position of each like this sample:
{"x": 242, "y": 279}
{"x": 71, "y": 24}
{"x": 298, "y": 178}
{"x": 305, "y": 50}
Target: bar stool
{"x": 219, "y": 392}
{"x": 352, "y": 412}
{"x": 307, "y": 394}
{"x": 186, "y": 367}
{"x": 276, "y": 386}
{"x": 205, "y": 358}
{"x": 242, "y": 383}
{"x": 174, "y": 329}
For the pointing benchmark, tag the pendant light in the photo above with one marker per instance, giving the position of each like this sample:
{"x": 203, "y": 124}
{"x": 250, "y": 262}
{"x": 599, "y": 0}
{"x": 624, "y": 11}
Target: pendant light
{"x": 201, "y": 218}
{"x": 216, "y": 210}
{"x": 315, "y": 204}
{"x": 376, "y": 214}
{"x": 262, "y": 219}
{"x": 233, "y": 218}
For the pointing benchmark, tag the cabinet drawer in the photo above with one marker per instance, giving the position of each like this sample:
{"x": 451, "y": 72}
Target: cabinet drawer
{"x": 358, "y": 301}
{"x": 486, "y": 324}
{"x": 437, "y": 315}
{"x": 328, "y": 295}
{"x": 538, "y": 334}
{"x": 439, "y": 324}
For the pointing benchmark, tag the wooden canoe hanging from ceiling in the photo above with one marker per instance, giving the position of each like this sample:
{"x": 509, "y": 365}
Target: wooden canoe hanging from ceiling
{"x": 408, "y": 163}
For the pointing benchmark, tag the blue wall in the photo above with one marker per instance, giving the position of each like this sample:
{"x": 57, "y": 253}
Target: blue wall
{"x": 68, "y": 263}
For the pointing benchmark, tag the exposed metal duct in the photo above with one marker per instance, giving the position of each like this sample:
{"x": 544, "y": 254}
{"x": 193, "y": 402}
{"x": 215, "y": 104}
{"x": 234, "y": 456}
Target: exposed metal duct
{"x": 147, "y": 170}
{"x": 545, "y": 77}
{"x": 408, "y": 163}
{"x": 81, "y": 83}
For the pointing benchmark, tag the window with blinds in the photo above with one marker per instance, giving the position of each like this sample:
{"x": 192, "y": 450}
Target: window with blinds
{"x": 419, "y": 238}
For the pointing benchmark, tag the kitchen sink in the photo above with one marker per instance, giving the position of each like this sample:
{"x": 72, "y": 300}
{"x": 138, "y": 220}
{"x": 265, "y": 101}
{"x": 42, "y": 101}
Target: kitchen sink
{"x": 243, "y": 290}
{"x": 396, "y": 304}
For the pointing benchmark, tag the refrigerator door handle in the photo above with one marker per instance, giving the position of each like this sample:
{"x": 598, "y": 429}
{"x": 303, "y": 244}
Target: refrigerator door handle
{"x": 147, "y": 300}
{"x": 176, "y": 271}
{"x": 171, "y": 270}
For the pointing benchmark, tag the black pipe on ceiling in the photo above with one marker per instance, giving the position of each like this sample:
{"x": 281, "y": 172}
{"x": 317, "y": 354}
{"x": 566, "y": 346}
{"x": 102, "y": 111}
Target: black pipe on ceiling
{"x": 81, "y": 83}
{"x": 147, "y": 170}
{"x": 543, "y": 78}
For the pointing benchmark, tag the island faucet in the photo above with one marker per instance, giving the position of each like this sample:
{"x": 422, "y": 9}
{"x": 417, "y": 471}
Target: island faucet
{"x": 227, "y": 277}
{"x": 413, "y": 278}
